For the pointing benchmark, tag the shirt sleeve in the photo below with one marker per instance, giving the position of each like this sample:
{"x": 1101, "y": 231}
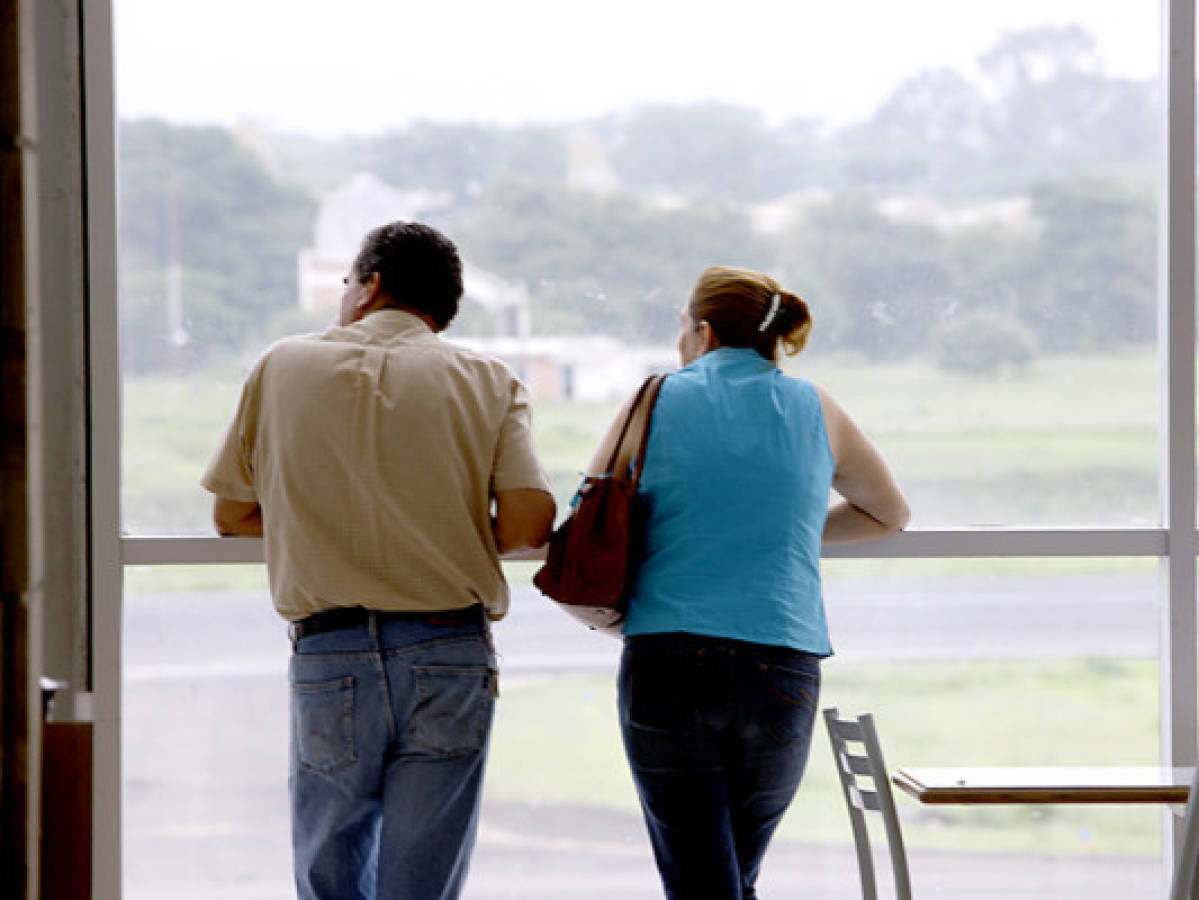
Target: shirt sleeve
{"x": 516, "y": 464}
{"x": 230, "y": 470}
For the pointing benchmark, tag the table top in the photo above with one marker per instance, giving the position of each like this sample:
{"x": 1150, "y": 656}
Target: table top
{"x": 1046, "y": 784}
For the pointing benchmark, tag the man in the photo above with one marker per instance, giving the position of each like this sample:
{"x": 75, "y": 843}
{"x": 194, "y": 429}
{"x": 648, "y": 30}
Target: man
{"x": 387, "y": 470}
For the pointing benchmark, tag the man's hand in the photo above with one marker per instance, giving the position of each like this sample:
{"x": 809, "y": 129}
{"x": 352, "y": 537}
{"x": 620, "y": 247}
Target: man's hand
{"x": 237, "y": 517}
{"x": 523, "y": 519}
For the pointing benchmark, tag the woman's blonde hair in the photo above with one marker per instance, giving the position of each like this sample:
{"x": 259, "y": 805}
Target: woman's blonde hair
{"x": 741, "y": 307}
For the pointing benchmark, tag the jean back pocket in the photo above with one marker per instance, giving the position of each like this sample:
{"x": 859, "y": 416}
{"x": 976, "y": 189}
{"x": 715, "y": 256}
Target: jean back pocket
{"x": 324, "y": 724}
{"x": 789, "y": 696}
{"x": 453, "y": 708}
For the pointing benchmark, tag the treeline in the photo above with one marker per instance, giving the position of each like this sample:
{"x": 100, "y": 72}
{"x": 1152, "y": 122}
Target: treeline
{"x": 981, "y": 219}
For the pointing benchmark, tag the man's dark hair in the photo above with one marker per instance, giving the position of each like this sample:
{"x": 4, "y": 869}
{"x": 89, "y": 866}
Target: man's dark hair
{"x": 418, "y": 267}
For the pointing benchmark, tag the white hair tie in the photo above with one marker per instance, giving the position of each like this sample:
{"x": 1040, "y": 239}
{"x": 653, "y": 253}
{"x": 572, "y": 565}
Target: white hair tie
{"x": 770, "y": 314}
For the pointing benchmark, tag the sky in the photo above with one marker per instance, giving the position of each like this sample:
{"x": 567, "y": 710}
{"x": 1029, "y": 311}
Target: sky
{"x": 363, "y": 66}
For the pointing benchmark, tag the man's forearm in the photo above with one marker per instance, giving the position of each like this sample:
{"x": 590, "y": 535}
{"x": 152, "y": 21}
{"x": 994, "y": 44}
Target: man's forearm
{"x": 236, "y": 518}
{"x": 522, "y": 520}
{"x": 250, "y": 526}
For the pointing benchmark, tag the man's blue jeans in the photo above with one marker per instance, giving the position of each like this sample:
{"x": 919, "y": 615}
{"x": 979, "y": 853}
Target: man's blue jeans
{"x": 390, "y": 722}
{"x": 717, "y": 735}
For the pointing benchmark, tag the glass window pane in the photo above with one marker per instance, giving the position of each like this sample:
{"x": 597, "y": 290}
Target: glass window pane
{"x": 969, "y": 211}
{"x": 1003, "y": 662}
{"x": 204, "y": 731}
{"x": 1018, "y": 662}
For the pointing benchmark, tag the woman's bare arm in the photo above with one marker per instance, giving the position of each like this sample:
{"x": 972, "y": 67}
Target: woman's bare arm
{"x": 603, "y": 452}
{"x": 872, "y": 506}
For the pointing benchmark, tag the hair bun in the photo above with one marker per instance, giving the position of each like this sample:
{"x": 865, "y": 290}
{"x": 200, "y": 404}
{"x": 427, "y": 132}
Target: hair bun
{"x": 750, "y": 309}
{"x": 796, "y": 323}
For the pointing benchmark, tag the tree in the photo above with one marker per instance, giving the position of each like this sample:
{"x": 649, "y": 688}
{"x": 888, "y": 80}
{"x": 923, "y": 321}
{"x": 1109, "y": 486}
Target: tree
{"x": 193, "y": 197}
{"x": 1042, "y": 108}
{"x": 1054, "y": 109}
{"x": 464, "y": 158}
{"x": 700, "y": 151}
{"x": 1094, "y": 285}
{"x": 613, "y": 265}
{"x": 934, "y": 108}
{"x": 926, "y": 135}
{"x": 880, "y": 285}
{"x": 983, "y": 342}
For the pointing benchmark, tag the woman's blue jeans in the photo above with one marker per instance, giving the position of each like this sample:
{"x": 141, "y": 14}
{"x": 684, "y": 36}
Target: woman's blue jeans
{"x": 390, "y": 722}
{"x": 717, "y": 734}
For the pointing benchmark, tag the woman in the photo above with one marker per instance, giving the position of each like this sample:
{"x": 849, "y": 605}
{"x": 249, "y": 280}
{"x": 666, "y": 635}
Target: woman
{"x": 725, "y": 630}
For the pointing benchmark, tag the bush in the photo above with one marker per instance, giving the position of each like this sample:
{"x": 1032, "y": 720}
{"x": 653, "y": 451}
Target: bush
{"x": 983, "y": 342}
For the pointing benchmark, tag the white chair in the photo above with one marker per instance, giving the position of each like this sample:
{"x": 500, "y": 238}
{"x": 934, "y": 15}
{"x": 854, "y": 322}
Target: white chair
{"x": 1185, "y": 884}
{"x": 860, "y": 798}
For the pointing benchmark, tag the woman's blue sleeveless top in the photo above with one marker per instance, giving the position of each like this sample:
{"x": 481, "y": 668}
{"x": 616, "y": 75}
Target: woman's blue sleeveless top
{"x": 736, "y": 483}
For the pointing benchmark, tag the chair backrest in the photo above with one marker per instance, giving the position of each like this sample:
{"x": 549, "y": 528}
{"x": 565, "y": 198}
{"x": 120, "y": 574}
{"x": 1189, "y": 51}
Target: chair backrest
{"x": 859, "y": 757}
{"x": 1185, "y": 884}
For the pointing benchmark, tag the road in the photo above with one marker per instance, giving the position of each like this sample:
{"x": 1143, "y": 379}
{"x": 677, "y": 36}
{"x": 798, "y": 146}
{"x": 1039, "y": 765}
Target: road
{"x": 943, "y": 618}
{"x": 205, "y": 723}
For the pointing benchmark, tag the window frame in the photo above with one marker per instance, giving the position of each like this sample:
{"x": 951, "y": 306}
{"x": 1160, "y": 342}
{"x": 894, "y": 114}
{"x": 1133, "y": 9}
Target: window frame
{"x": 1175, "y": 542}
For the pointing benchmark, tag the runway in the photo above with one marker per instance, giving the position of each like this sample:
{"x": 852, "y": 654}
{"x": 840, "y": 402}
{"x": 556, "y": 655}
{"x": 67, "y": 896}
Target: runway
{"x": 959, "y": 618}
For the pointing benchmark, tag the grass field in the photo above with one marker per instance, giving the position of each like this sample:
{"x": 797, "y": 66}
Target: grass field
{"x": 1066, "y": 441}
{"x": 1069, "y": 441}
{"x": 556, "y": 742}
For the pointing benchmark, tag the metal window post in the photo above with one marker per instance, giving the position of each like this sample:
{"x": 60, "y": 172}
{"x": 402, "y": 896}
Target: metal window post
{"x": 104, "y": 565}
{"x": 1176, "y": 541}
{"x": 1176, "y": 339}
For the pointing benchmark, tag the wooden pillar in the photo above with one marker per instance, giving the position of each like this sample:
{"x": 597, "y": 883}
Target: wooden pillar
{"x": 20, "y": 719}
{"x": 66, "y": 841}
{"x": 56, "y": 369}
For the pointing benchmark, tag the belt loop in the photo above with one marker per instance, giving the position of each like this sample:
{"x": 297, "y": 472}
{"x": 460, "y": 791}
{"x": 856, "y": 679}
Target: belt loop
{"x": 486, "y": 628}
{"x": 372, "y": 625}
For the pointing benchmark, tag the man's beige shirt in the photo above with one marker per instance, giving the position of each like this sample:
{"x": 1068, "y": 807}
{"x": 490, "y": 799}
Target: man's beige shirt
{"x": 374, "y": 451}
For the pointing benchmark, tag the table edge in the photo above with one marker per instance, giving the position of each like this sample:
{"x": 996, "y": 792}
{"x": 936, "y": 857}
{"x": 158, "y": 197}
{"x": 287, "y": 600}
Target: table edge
{"x": 1044, "y": 795}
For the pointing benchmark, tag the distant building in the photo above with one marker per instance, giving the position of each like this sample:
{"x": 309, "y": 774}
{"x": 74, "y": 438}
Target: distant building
{"x": 1011, "y": 213}
{"x": 773, "y": 216}
{"x": 584, "y": 368}
{"x": 365, "y": 202}
{"x": 587, "y": 165}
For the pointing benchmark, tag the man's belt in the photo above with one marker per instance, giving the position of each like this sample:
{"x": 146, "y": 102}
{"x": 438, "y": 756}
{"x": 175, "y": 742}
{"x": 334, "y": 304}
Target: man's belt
{"x": 354, "y": 616}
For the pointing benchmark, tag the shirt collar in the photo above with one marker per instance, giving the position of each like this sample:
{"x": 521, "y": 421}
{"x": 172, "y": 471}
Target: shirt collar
{"x": 733, "y": 359}
{"x": 391, "y": 323}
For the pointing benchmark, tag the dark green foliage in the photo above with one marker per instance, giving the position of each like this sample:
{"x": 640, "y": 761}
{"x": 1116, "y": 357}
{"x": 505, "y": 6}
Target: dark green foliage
{"x": 674, "y": 189}
{"x": 882, "y": 284}
{"x": 708, "y": 150}
{"x": 195, "y": 195}
{"x": 1043, "y": 108}
{"x": 615, "y": 265}
{"x": 463, "y": 158}
{"x": 1094, "y": 268}
{"x": 983, "y": 342}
